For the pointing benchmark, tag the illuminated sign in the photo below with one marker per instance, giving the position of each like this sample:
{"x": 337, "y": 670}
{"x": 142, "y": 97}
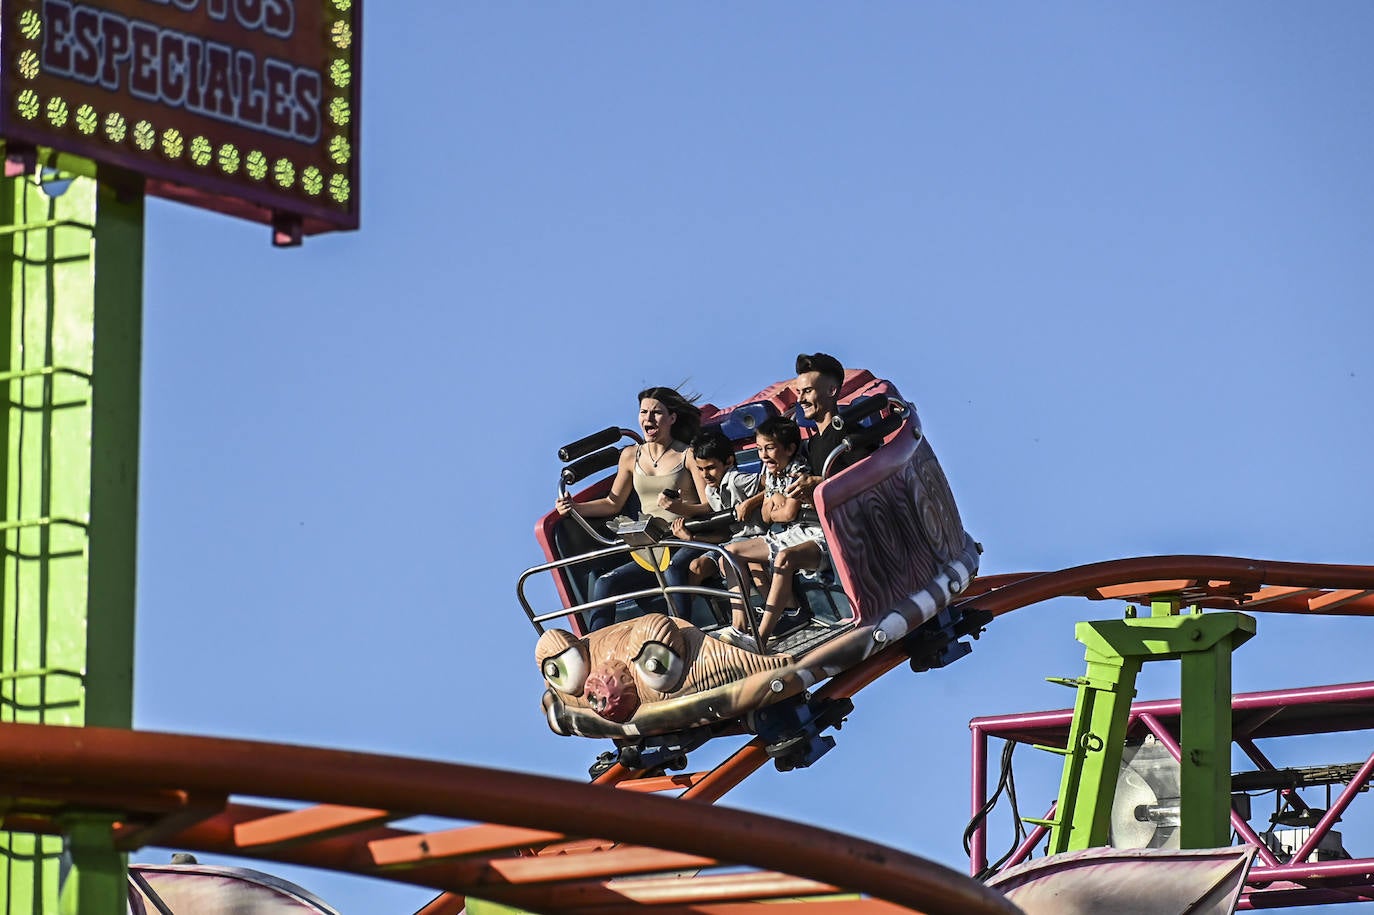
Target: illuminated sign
{"x": 248, "y": 107}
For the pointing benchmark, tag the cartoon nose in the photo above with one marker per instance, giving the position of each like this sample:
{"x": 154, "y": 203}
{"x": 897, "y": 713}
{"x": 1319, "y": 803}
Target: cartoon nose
{"x": 612, "y": 694}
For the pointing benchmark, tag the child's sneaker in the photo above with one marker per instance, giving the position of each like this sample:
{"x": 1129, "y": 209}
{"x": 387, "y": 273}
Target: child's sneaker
{"x": 732, "y": 636}
{"x": 792, "y": 619}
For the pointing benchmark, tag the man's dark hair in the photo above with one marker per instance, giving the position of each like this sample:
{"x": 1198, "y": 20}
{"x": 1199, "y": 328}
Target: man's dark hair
{"x": 711, "y": 444}
{"x": 781, "y": 429}
{"x": 828, "y": 366}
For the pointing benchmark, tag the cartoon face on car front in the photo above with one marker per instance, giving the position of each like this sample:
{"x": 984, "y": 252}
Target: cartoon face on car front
{"x": 622, "y": 670}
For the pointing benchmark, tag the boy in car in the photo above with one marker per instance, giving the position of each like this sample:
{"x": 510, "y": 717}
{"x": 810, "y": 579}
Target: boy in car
{"x": 727, "y": 487}
{"x": 789, "y": 525}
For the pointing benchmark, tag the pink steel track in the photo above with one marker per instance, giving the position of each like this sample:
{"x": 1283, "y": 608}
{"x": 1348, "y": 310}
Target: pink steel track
{"x": 535, "y": 850}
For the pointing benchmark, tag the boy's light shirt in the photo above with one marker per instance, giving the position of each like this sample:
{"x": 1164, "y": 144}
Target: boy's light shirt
{"x": 735, "y": 486}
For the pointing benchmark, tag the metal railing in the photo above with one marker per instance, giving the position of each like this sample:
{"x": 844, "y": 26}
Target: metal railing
{"x": 742, "y": 590}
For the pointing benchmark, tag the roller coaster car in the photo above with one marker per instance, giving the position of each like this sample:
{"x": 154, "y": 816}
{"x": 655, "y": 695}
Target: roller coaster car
{"x": 659, "y": 685}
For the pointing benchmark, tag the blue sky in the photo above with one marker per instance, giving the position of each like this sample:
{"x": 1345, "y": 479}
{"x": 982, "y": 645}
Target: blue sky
{"x": 1118, "y": 256}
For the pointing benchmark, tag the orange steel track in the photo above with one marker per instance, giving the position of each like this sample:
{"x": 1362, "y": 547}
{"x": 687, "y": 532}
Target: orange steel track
{"x": 536, "y": 849}
{"x": 1216, "y": 582}
{"x": 173, "y": 789}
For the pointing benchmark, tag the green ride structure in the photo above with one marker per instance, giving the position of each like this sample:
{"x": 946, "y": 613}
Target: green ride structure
{"x": 72, "y": 264}
{"x": 1202, "y": 643}
{"x": 88, "y": 131}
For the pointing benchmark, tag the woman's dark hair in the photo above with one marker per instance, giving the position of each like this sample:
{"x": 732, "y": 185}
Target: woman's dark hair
{"x": 711, "y": 444}
{"x": 781, "y": 429}
{"x": 688, "y": 414}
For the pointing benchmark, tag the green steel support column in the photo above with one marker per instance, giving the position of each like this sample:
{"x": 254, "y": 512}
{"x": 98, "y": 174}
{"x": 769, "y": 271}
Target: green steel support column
{"x": 1095, "y": 743}
{"x": 1205, "y": 737}
{"x": 115, "y": 401}
{"x": 97, "y": 883}
{"x": 70, "y": 265}
{"x": 1115, "y": 649}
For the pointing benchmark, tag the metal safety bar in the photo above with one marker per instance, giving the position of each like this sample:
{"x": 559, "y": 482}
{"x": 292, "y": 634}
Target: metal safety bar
{"x": 746, "y": 593}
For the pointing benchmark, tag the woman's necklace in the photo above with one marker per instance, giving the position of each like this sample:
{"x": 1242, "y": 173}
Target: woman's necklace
{"x": 653, "y": 461}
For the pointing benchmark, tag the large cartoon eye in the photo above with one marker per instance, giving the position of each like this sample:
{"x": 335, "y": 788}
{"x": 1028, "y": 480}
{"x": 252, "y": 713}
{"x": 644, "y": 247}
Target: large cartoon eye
{"x": 566, "y": 672}
{"x": 660, "y": 668}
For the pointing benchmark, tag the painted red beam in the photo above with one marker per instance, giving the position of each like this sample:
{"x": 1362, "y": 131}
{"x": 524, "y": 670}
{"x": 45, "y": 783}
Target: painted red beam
{"x": 309, "y": 824}
{"x": 117, "y": 760}
{"x": 1306, "y": 706}
{"x": 467, "y": 841}
{"x": 705, "y": 787}
{"x": 1289, "y": 897}
{"x": 343, "y": 854}
{"x": 1356, "y": 870}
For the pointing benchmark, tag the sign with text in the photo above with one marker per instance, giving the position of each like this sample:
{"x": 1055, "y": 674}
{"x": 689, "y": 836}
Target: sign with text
{"x": 248, "y": 107}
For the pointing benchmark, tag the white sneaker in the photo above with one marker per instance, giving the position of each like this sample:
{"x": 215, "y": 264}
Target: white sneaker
{"x": 732, "y": 636}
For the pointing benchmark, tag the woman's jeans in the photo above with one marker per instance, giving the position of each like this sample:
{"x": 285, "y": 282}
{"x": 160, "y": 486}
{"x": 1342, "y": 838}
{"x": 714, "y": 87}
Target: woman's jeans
{"x": 632, "y": 576}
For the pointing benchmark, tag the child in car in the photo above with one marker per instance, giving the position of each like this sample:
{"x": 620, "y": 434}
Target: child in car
{"x": 727, "y": 487}
{"x": 789, "y": 525}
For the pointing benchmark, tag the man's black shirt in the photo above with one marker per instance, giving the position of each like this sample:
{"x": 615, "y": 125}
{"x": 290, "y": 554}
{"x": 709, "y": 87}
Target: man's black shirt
{"x": 819, "y": 446}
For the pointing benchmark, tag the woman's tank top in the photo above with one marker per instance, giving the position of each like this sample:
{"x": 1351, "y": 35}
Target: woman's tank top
{"x": 649, "y": 488}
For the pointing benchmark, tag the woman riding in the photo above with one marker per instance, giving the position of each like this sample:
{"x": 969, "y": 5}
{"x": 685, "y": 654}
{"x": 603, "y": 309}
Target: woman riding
{"x": 663, "y": 473}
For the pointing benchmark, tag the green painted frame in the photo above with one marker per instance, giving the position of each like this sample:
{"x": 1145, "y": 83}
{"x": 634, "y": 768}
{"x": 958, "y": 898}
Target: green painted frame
{"x": 1115, "y": 651}
{"x": 71, "y": 273}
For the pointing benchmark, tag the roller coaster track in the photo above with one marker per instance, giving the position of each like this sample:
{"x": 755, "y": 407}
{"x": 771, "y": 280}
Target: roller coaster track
{"x": 558, "y": 846}
{"x": 1215, "y": 582}
{"x": 173, "y": 790}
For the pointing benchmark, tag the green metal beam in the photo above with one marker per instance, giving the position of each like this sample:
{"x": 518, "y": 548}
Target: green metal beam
{"x": 1094, "y": 750}
{"x": 1205, "y": 737}
{"x": 97, "y": 883}
{"x": 71, "y": 261}
{"x": 114, "y": 437}
{"x": 1115, "y": 651}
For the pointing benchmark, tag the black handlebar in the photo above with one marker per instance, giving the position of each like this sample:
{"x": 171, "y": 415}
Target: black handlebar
{"x": 588, "y": 444}
{"x": 710, "y": 523}
{"x": 853, "y": 413}
{"x": 872, "y": 435}
{"x": 866, "y": 436}
{"x": 590, "y": 464}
